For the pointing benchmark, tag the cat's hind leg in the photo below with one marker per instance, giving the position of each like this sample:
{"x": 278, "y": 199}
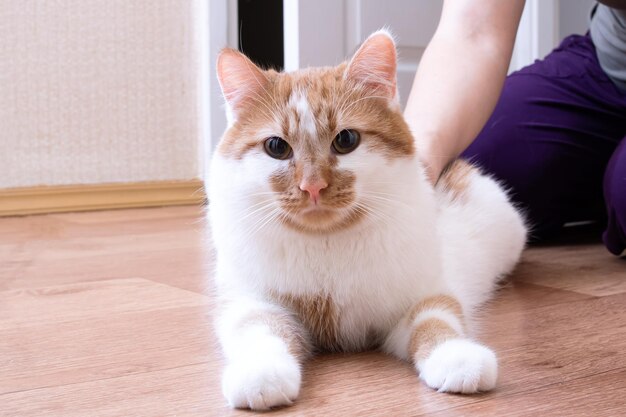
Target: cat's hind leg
{"x": 265, "y": 346}
{"x": 432, "y": 336}
{"x": 482, "y": 234}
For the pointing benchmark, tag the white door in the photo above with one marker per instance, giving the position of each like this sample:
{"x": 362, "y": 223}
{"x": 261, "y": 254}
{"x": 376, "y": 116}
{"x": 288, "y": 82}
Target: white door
{"x": 325, "y": 32}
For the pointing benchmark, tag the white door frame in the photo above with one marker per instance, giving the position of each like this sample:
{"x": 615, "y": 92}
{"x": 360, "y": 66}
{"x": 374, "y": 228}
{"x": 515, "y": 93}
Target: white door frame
{"x": 313, "y": 33}
{"x": 538, "y": 32}
{"x": 220, "y": 32}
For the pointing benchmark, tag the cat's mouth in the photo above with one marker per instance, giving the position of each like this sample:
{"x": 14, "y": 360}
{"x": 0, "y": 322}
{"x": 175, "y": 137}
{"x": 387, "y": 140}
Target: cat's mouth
{"x": 322, "y": 219}
{"x": 317, "y": 212}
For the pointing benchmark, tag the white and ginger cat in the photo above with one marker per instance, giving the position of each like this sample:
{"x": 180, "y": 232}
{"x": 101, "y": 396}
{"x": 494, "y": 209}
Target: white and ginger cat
{"x": 330, "y": 238}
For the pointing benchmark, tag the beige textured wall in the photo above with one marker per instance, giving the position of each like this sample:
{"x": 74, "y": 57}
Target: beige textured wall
{"x": 98, "y": 91}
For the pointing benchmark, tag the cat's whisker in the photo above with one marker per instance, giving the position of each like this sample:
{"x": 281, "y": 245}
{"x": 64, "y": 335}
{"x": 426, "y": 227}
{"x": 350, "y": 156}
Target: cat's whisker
{"x": 383, "y": 182}
{"x": 381, "y": 214}
{"x": 389, "y": 202}
{"x": 335, "y": 98}
{"x": 262, "y": 85}
{"x": 376, "y": 216}
{"x": 380, "y": 192}
{"x": 199, "y": 220}
{"x": 258, "y": 210}
{"x": 344, "y": 98}
{"x": 249, "y": 197}
{"x": 262, "y": 193}
{"x": 383, "y": 194}
{"x": 369, "y": 211}
{"x": 273, "y": 215}
{"x": 359, "y": 100}
{"x": 385, "y": 207}
{"x": 265, "y": 199}
{"x": 249, "y": 210}
{"x": 357, "y": 210}
{"x": 263, "y": 207}
{"x": 259, "y": 99}
{"x": 251, "y": 229}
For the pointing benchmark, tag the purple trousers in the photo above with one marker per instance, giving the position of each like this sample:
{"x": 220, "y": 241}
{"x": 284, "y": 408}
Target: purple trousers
{"x": 557, "y": 139}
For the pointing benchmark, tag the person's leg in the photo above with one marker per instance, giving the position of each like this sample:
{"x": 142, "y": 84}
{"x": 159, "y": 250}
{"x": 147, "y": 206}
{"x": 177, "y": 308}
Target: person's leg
{"x": 551, "y": 135}
{"x": 615, "y": 197}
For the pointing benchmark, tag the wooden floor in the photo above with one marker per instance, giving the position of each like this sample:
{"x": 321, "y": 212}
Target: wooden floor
{"x": 108, "y": 314}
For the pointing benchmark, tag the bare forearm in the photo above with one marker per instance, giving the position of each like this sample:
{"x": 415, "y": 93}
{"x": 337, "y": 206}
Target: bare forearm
{"x": 451, "y": 101}
{"x": 458, "y": 84}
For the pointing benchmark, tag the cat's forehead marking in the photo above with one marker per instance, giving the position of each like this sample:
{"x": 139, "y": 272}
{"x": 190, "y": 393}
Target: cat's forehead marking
{"x": 308, "y": 108}
{"x": 302, "y": 114}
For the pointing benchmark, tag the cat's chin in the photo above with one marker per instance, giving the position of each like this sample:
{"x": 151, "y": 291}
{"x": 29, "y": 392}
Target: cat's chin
{"x": 319, "y": 220}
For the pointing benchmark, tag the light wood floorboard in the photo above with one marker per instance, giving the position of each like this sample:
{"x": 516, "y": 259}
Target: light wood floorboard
{"x": 109, "y": 314}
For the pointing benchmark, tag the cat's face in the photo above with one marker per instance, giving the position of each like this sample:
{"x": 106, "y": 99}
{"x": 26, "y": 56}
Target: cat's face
{"x": 316, "y": 149}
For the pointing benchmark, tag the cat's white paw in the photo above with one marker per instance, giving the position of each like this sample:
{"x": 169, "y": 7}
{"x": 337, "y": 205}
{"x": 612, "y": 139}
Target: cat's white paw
{"x": 262, "y": 382}
{"x": 460, "y": 366}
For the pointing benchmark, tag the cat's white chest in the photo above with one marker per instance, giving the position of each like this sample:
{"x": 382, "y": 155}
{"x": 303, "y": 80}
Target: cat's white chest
{"x": 361, "y": 284}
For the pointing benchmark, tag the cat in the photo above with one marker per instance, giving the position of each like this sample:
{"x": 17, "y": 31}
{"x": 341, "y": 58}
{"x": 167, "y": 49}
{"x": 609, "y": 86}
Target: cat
{"x": 329, "y": 236}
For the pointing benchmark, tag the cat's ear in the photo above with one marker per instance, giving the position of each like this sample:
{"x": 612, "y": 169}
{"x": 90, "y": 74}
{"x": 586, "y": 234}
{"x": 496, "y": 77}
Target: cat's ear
{"x": 374, "y": 65}
{"x": 241, "y": 81}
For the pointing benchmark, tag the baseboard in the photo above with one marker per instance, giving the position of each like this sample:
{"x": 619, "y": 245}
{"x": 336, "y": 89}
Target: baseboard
{"x": 55, "y": 199}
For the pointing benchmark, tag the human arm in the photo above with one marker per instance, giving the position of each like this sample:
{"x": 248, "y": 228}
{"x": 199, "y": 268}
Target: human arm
{"x": 460, "y": 77}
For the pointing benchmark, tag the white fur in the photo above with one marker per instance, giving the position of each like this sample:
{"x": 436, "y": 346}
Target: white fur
{"x": 261, "y": 372}
{"x": 415, "y": 242}
{"x": 460, "y": 366}
{"x": 398, "y": 339}
{"x": 420, "y": 243}
{"x": 482, "y": 239}
{"x": 299, "y": 102}
{"x": 262, "y": 377}
{"x": 449, "y": 317}
{"x": 375, "y": 269}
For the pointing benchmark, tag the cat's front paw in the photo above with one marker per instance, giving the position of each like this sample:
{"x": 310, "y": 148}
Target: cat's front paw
{"x": 261, "y": 383}
{"x": 460, "y": 366}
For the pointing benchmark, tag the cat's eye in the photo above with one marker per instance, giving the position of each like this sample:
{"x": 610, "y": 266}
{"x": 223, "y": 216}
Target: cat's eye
{"x": 346, "y": 141}
{"x": 277, "y": 148}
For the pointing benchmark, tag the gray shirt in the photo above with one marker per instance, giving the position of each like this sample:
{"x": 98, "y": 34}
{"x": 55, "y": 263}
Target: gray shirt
{"x": 608, "y": 33}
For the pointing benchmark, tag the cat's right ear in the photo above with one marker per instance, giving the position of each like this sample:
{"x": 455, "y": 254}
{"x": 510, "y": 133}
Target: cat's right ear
{"x": 374, "y": 65}
{"x": 241, "y": 81}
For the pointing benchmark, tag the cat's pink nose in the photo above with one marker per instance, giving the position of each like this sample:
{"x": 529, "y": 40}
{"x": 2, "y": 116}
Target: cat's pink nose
{"x": 313, "y": 188}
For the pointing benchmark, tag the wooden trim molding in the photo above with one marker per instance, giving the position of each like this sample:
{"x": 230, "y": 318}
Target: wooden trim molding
{"x": 55, "y": 199}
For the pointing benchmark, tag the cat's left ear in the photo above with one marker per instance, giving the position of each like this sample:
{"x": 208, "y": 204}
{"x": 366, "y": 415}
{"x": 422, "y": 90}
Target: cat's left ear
{"x": 374, "y": 65}
{"x": 241, "y": 81}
